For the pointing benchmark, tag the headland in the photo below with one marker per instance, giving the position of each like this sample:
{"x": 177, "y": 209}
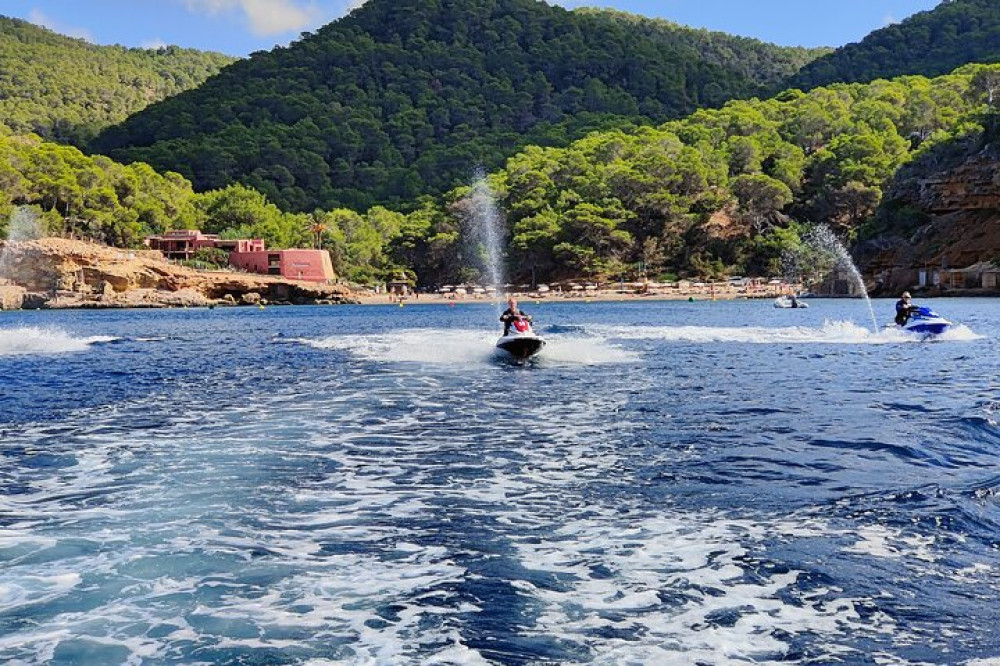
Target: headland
{"x": 55, "y": 273}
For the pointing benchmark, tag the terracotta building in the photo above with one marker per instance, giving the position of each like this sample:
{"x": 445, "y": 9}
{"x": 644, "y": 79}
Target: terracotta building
{"x": 181, "y": 244}
{"x": 248, "y": 254}
{"x": 309, "y": 265}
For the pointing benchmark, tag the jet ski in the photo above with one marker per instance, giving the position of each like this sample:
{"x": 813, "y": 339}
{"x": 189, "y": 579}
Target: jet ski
{"x": 789, "y": 302}
{"x": 926, "y": 322}
{"x": 520, "y": 341}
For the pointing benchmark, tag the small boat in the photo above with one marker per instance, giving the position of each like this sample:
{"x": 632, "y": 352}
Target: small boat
{"x": 520, "y": 341}
{"x": 924, "y": 321}
{"x": 789, "y": 302}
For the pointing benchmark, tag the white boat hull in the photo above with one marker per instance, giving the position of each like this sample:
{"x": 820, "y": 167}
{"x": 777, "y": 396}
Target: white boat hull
{"x": 786, "y": 302}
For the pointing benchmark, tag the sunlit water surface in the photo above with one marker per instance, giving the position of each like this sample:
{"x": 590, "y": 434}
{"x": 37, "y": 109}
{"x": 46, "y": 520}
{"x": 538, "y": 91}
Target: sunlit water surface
{"x": 668, "y": 483}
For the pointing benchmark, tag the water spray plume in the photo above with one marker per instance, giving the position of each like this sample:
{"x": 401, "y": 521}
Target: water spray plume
{"x": 23, "y": 225}
{"x": 487, "y": 229}
{"x": 822, "y": 254}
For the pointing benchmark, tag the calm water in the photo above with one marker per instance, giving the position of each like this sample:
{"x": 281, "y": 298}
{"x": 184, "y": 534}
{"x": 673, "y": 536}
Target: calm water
{"x": 670, "y": 483}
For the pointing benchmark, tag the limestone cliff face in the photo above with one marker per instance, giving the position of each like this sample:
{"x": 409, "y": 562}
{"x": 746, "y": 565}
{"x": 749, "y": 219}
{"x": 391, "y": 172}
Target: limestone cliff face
{"x": 972, "y": 186}
{"x": 74, "y": 273}
{"x": 11, "y": 297}
{"x": 57, "y": 264}
{"x": 935, "y": 220}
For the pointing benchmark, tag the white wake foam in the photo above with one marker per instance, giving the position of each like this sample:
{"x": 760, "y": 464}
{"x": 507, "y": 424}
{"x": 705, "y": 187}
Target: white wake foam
{"x": 959, "y": 334}
{"x": 465, "y": 347}
{"x": 37, "y": 340}
{"x": 832, "y": 332}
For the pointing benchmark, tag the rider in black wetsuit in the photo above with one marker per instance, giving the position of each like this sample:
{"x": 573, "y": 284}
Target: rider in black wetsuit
{"x": 904, "y": 308}
{"x": 510, "y": 314}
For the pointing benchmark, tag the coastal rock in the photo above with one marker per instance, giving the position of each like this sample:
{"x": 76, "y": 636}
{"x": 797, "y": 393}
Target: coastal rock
{"x": 11, "y": 297}
{"x": 69, "y": 273}
{"x": 934, "y": 224}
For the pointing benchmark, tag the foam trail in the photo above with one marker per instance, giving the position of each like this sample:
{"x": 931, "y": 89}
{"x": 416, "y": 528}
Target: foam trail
{"x": 584, "y": 351}
{"x": 959, "y": 333}
{"x": 832, "y": 332}
{"x": 415, "y": 345}
{"x": 36, "y": 340}
{"x": 464, "y": 347}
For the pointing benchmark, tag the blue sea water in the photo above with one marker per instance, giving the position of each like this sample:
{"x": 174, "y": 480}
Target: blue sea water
{"x": 668, "y": 483}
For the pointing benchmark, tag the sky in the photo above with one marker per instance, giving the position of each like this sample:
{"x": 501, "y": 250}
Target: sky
{"x": 240, "y": 27}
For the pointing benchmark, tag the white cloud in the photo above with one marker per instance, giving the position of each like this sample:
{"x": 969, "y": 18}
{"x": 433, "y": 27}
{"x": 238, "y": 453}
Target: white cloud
{"x": 889, "y": 19}
{"x": 265, "y": 17}
{"x": 155, "y": 43}
{"x": 272, "y": 17}
{"x": 38, "y": 18}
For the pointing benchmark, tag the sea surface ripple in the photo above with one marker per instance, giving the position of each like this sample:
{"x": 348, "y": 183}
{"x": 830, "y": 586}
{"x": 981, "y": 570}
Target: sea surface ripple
{"x": 668, "y": 483}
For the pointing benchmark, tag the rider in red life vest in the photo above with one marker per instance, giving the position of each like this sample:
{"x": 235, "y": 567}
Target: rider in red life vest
{"x": 511, "y": 314}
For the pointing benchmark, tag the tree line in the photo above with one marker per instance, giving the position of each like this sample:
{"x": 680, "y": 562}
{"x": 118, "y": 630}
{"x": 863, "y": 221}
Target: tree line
{"x": 726, "y": 190}
{"x": 930, "y": 43}
{"x": 722, "y": 191}
{"x": 96, "y": 198}
{"x": 68, "y": 90}
{"x": 402, "y": 98}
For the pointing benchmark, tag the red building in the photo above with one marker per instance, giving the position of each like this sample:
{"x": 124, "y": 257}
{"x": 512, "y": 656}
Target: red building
{"x": 241, "y": 245}
{"x": 181, "y": 244}
{"x": 309, "y": 265}
{"x": 248, "y": 255}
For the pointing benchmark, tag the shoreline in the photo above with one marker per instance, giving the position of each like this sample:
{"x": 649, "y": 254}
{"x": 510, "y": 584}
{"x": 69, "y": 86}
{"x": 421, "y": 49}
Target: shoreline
{"x": 611, "y": 296}
{"x": 142, "y": 299}
{"x": 538, "y": 299}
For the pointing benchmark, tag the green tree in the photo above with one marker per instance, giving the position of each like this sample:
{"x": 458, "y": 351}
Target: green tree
{"x": 760, "y": 197}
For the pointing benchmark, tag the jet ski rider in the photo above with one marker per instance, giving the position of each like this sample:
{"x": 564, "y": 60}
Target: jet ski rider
{"x": 904, "y": 308}
{"x": 511, "y": 314}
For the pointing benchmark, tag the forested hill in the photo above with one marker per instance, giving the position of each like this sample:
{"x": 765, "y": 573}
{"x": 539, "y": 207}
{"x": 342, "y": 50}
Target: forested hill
{"x": 404, "y": 98}
{"x": 67, "y": 89}
{"x": 955, "y": 33}
{"x": 766, "y": 64}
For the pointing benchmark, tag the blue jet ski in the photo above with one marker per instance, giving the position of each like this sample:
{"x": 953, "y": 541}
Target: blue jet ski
{"x": 924, "y": 321}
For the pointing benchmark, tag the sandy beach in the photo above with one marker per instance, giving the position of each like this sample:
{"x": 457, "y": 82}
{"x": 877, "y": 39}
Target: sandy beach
{"x": 718, "y": 293}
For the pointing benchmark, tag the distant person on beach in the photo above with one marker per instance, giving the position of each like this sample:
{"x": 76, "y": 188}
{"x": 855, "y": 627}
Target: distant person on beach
{"x": 511, "y": 314}
{"x": 904, "y": 308}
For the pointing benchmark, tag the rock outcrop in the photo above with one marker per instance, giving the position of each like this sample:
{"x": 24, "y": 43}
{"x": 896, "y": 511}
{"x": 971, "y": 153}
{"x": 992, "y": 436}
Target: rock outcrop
{"x": 973, "y": 185}
{"x": 11, "y": 297}
{"x": 939, "y": 227}
{"x": 57, "y": 272}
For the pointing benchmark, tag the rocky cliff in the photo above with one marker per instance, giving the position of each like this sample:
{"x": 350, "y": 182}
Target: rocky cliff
{"x": 56, "y": 272}
{"x": 939, "y": 223}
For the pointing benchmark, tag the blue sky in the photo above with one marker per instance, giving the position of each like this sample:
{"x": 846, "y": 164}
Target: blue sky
{"x": 239, "y": 27}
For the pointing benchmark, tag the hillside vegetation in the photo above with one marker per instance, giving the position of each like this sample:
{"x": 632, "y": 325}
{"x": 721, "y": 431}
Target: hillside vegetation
{"x": 765, "y": 64}
{"x": 404, "y": 98}
{"x": 67, "y": 90}
{"x": 930, "y": 43}
{"x": 399, "y": 101}
{"x": 97, "y": 198}
{"x": 721, "y": 191}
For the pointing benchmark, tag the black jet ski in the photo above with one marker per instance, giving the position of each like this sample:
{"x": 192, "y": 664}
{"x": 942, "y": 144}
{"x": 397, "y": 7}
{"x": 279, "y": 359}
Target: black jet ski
{"x": 520, "y": 341}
